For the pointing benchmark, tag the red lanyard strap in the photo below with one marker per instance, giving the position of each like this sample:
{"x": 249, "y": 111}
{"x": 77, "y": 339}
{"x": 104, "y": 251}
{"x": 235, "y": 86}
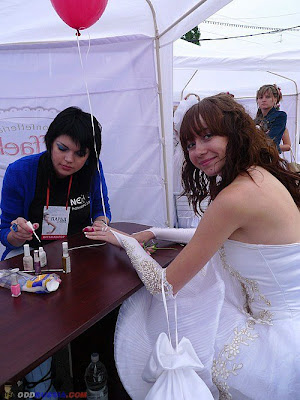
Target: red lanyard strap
{"x": 68, "y": 195}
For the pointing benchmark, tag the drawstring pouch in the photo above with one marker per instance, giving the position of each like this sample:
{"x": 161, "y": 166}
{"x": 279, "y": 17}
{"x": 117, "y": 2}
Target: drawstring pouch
{"x": 173, "y": 371}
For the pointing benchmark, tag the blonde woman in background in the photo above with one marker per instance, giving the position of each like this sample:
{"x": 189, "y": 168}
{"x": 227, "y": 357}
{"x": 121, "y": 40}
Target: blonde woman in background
{"x": 270, "y": 119}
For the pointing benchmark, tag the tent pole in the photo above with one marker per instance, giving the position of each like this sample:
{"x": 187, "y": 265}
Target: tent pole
{"x": 297, "y": 111}
{"x": 162, "y": 119}
{"x": 181, "y": 96}
{"x": 182, "y": 17}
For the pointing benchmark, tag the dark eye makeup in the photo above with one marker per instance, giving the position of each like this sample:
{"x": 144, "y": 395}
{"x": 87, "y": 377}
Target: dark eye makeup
{"x": 80, "y": 153}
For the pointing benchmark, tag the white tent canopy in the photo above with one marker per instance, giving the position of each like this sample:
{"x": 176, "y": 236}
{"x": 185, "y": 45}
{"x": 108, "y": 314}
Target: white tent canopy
{"x": 127, "y": 65}
{"x": 241, "y": 65}
{"x": 187, "y": 55}
{"x": 36, "y": 20}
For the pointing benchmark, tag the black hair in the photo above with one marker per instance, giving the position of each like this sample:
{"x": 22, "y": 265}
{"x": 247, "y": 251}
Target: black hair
{"x": 77, "y": 124}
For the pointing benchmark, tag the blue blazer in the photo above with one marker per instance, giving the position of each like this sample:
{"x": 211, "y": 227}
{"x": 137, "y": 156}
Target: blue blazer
{"x": 276, "y": 123}
{"x": 18, "y": 192}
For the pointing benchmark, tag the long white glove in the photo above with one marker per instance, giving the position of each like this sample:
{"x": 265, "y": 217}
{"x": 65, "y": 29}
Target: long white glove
{"x": 149, "y": 271}
{"x": 176, "y": 235}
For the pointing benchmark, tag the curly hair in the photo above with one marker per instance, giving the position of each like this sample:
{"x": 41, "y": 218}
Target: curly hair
{"x": 247, "y": 147}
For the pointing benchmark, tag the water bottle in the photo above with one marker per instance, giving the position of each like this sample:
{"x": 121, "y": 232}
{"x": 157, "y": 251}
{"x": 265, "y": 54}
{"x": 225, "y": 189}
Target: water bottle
{"x": 96, "y": 379}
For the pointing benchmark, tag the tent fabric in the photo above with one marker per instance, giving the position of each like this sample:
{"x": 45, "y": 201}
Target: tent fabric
{"x": 127, "y": 57}
{"x": 37, "y": 21}
{"x": 123, "y": 92}
{"x": 243, "y": 46}
{"x": 203, "y": 71}
{"x": 186, "y": 55}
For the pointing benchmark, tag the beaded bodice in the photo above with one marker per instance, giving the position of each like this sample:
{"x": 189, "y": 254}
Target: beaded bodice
{"x": 269, "y": 276}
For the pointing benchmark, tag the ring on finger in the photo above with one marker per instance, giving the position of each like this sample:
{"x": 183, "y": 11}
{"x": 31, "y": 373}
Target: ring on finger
{"x": 14, "y": 227}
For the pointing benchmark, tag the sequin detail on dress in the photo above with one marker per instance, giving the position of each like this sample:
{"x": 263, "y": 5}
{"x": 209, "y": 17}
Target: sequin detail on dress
{"x": 149, "y": 271}
{"x": 250, "y": 288}
{"x": 224, "y": 365}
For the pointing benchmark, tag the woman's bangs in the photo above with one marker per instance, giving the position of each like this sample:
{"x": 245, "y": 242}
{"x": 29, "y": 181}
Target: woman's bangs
{"x": 81, "y": 136}
{"x": 191, "y": 126}
{"x": 265, "y": 90}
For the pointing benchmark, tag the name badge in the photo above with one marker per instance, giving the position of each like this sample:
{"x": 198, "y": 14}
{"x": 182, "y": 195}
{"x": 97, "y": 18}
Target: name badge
{"x": 55, "y": 222}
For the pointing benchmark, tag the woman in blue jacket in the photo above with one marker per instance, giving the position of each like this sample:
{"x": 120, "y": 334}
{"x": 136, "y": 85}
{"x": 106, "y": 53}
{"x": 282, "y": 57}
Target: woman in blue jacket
{"x": 62, "y": 183}
{"x": 269, "y": 118}
{"x": 60, "y": 191}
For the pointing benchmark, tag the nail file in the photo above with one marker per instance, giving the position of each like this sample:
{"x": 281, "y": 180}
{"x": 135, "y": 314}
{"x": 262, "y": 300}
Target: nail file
{"x": 32, "y": 228}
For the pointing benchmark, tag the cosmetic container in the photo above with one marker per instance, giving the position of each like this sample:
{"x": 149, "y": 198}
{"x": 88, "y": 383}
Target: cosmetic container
{"x": 66, "y": 261}
{"x": 36, "y": 262}
{"x": 43, "y": 257}
{"x": 15, "y": 286}
{"x": 27, "y": 259}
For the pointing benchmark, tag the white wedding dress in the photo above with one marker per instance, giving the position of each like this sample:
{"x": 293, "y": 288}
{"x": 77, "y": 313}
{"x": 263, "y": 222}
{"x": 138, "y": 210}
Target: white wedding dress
{"x": 241, "y": 313}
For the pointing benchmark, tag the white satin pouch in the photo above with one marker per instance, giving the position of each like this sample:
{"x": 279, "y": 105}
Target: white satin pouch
{"x": 173, "y": 371}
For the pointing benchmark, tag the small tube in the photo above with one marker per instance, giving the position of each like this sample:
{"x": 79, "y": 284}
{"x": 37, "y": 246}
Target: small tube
{"x": 66, "y": 261}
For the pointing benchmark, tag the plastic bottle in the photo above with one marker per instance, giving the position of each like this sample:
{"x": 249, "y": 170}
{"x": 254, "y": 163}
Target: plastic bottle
{"x": 43, "y": 257}
{"x": 27, "y": 259}
{"x": 36, "y": 262}
{"x": 66, "y": 261}
{"x": 96, "y": 379}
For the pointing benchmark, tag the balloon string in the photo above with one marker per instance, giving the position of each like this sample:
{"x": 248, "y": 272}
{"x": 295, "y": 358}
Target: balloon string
{"x": 92, "y": 120}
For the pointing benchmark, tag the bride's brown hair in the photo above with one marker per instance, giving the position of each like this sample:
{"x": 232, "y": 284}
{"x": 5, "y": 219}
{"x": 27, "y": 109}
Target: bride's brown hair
{"x": 247, "y": 147}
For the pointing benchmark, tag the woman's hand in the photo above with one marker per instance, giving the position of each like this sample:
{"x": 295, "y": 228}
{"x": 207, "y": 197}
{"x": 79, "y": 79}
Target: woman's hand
{"x": 104, "y": 233}
{"x": 98, "y": 223}
{"x": 20, "y": 232}
{"x": 101, "y": 231}
{"x": 143, "y": 236}
{"x": 101, "y": 220}
{"x": 285, "y": 147}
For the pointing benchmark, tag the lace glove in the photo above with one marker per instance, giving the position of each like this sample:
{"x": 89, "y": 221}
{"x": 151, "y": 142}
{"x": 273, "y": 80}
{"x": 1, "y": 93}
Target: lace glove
{"x": 176, "y": 235}
{"x": 149, "y": 271}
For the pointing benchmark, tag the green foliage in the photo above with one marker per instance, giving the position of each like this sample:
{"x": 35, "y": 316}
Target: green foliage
{"x": 193, "y": 36}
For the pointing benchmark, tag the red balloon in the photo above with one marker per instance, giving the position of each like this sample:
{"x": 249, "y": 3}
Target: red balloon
{"x": 79, "y": 14}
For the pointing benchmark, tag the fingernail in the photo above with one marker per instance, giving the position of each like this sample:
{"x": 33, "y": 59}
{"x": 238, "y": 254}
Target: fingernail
{"x": 88, "y": 230}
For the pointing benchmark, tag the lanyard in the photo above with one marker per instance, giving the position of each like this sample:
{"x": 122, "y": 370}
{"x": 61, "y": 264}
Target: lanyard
{"x": 69, "y": 189}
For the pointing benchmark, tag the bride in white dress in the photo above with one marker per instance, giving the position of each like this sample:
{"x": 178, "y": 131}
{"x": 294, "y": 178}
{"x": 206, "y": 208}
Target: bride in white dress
{"x": 237, "y": 281}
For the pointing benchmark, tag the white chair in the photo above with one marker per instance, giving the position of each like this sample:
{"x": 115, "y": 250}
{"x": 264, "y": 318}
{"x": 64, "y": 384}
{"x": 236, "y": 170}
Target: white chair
{"x": 184, "y": 213}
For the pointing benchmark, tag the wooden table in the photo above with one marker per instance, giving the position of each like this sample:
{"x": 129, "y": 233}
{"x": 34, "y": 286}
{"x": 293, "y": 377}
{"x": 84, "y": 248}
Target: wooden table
{"x": 34, "y": 326}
